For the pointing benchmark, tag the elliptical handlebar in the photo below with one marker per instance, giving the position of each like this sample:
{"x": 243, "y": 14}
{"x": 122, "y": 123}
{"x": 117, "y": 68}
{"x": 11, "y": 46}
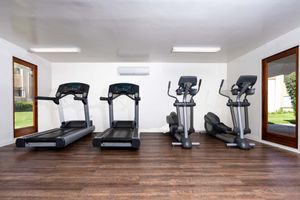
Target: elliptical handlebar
{"x": 199, "y": 85}
{"x": 187, "y": 87}
{"x": 169, "y": 86}
{"x": 224, "y": 95}
{"x": 243, "y": 90}
{"x": 239, "y": 92}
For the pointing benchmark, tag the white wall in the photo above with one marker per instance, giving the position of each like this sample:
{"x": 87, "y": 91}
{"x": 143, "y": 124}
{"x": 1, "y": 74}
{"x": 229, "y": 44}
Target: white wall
{"x": 155, "y": 104}
{"x": 250, "y": 63}
{"x": 7, "y": 51}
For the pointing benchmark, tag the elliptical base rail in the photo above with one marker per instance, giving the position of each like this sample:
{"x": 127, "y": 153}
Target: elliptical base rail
{"x": 180, "y": 144}
{"x": 244, "y": 146}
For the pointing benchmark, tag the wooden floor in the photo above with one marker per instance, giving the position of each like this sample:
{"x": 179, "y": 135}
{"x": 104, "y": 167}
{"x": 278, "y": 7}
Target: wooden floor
{"x": 156, "y": 171}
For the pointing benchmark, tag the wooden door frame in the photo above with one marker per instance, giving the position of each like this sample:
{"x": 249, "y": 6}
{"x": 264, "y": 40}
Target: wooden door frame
{"x": 272, "y": 137}
{"x": 32, "y": 129}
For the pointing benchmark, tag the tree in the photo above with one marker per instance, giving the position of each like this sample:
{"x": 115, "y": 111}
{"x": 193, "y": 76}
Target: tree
{"x": 290, "y": 83}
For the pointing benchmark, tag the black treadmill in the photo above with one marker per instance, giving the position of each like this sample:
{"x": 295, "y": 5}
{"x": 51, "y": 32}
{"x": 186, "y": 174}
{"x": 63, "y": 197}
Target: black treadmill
{"x": 69, "y": 131}
{"x": 120, "y": 133}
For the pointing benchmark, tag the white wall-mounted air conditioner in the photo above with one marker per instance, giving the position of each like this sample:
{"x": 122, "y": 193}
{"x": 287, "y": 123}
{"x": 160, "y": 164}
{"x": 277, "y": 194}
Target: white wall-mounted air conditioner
{"x": 133, "y": 71}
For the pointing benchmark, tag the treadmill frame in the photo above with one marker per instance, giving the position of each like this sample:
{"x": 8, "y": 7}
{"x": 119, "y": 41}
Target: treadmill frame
{"x": 64, "y": 140}
{"x": 102, "y": 140}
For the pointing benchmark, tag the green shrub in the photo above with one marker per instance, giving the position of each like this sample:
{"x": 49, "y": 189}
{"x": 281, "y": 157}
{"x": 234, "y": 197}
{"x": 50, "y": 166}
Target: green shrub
{"x": 23, "y": 106}
{"x": 290, "y": 83}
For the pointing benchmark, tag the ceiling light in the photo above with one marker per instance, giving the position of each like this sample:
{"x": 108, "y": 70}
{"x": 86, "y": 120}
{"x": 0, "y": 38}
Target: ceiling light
{"x": 55, "y": 50}
{"x": 195, "y": 49}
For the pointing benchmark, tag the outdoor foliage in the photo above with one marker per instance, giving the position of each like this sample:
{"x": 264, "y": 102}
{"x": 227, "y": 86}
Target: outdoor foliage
{"x": 23, "y": 106}
{"x": 290, "y": 82}
{"x": 281, "y": 117}
{"x": 23, "y": 119}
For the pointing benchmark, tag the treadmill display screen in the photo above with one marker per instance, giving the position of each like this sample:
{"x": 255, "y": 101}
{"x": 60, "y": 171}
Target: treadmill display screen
{"x": 124, "y": 88}
{"x": 73, "y": 88}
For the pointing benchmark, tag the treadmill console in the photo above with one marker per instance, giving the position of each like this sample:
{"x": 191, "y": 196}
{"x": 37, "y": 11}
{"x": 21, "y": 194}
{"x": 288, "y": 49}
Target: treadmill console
{"x": 74, "y": 89}
{"x": 123, "y": 88}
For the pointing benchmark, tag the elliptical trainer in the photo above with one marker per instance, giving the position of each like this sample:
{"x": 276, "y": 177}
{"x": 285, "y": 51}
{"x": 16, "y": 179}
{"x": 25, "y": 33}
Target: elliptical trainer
{"x": 181, "y": 123}
{"x": 235, "y": 137}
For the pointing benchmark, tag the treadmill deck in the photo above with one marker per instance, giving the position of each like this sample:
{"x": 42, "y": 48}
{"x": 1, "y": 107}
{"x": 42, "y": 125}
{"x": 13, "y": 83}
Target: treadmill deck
{"x": 118, "y": 137}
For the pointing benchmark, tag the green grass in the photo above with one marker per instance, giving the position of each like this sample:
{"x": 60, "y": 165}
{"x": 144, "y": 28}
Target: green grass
{"x": 23, "y": 119}
{"x": 281, "y": 118}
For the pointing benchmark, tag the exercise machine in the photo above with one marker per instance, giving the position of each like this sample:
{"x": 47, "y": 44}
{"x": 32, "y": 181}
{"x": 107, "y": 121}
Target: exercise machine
{"x": 234, "y": 137}
{"x": 69, "y": 131}
{"x": 121, "y": 133}
{"x": 181, "y": 122}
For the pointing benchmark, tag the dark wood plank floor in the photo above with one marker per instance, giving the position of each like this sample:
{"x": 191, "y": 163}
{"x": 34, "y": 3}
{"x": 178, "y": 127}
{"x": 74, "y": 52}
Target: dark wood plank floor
{"x": 156, "y": 171}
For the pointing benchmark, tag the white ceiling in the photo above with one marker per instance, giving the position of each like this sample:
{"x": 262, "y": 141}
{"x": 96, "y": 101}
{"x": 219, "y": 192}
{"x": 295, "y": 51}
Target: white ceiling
{"x": 146, "y": 30}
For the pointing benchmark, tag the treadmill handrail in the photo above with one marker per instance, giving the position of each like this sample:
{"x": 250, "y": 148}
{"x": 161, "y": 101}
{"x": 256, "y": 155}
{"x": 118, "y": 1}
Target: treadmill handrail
{"x": 54, "y": 99}
{"x": 109, "y": 99}
{"x": 103, "y": 99}
{"x": 84, "y": 100}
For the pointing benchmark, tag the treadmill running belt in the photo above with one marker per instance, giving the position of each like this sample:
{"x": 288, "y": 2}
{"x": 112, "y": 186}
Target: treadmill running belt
{"x": 57, "y": 133}
{"x": 120, "y": 133}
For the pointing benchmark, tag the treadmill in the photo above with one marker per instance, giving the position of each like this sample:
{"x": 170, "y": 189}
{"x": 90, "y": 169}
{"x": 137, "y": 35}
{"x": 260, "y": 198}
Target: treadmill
{"x": 69, "y": 131}
{"x": 121, "y": 133}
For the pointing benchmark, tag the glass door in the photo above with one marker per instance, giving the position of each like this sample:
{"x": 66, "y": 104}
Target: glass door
{"x": 280, "y": 98}
{"x": 25, "y": 91}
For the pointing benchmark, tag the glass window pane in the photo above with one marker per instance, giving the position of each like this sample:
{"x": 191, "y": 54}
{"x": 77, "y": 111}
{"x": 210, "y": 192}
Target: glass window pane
{"x": 23, "y": 95}
{"x": 282, "y": 96}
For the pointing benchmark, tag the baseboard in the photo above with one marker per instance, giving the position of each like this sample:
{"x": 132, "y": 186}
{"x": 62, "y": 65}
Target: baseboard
{"x": 279, "y": 146}
{"x": 274, "y": 144}
{"x": 7, "y": 142}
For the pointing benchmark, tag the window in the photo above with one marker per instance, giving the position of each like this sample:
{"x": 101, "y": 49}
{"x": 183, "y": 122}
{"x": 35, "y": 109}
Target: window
{"x": 280, "y": 104}
{"x": 25, "y": 91}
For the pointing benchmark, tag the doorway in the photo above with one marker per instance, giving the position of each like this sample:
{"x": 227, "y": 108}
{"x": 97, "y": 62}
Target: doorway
{"x": 280, "y": 98}
{"x": 24, "y": 93}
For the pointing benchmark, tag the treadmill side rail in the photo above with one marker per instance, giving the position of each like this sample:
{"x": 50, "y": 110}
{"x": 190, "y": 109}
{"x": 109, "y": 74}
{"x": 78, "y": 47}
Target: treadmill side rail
{"x": 40, "y": 144}
{"x": 68, "y": 139}
{"x": 59, "y": 142}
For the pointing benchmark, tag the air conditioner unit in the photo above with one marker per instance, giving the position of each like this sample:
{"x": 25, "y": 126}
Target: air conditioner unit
{"x": 133, "y": 71}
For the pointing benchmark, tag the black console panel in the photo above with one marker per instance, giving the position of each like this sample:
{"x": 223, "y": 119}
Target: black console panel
{"x": 73, "y": 88}
{"x": 187, "y": 79}
{"x": 123, "y": 88}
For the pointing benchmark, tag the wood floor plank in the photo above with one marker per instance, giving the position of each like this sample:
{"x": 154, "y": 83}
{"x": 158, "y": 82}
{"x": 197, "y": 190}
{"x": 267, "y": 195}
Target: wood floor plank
{"x": 156, "y": 171}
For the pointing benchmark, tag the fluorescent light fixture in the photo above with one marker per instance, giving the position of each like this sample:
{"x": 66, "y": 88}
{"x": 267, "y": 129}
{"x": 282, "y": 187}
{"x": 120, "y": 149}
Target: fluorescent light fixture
{"x": 195, "y": 49}
{"x": 55, "y": 50}
{"x": 133, "y": 71}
